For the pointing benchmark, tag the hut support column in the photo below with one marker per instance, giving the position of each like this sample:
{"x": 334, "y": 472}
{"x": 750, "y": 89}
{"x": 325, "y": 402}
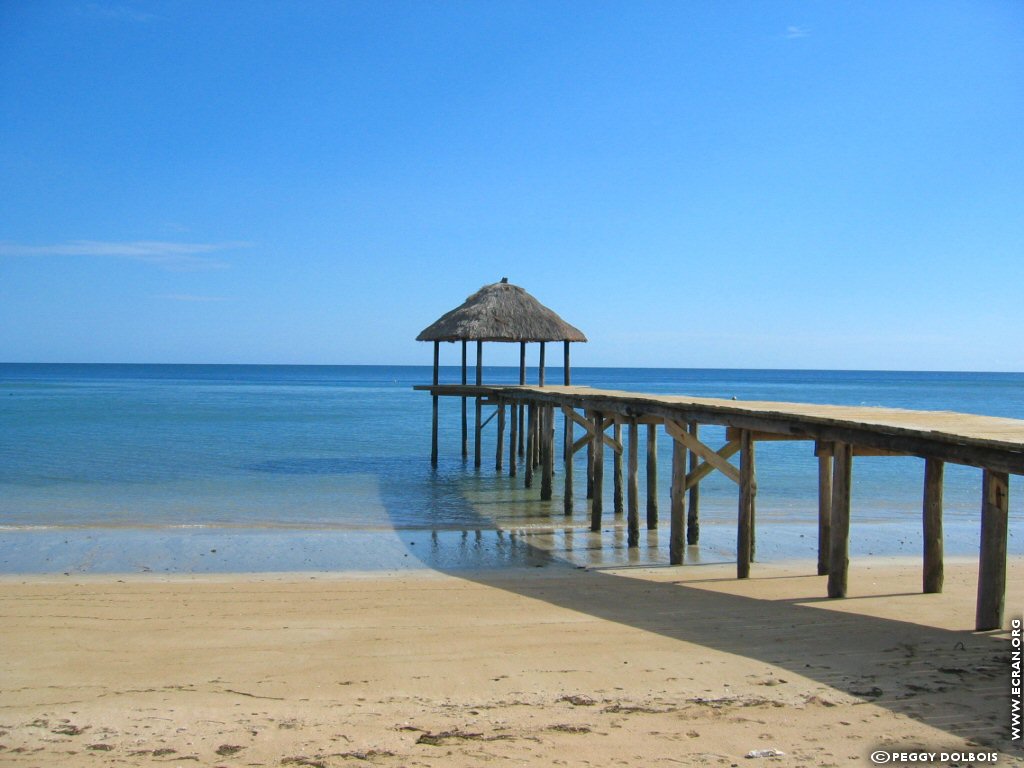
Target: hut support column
{"x": 433, "y": 428}
{"x": 590, "y": 462}
{"x": 465, "y": 421}
{"x": 479, "y": 402}
{"x": 633, "y": 486}
{"x": 992, "y": 570}
{"x": 748, "y": 493}
{"x": 932, "y": 521}
{"x": 675, "y": 538}
{"x": 597, "y": 440}
{"x": 617, "y": 469}
{"x": 547, "y": 453}
{"x": 522, "y": 381}
{"x": 842, "y": 478}
{"x": 693, "y": 513}
{"x": 652, "y": 477}
{"x": 824, "y": 452}
{"x": 567, "y": 380}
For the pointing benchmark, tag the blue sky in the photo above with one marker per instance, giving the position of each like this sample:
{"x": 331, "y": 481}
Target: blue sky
{"x": 693, "y": 184}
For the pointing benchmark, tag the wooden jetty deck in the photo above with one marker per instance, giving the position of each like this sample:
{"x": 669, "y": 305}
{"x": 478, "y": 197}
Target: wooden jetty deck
{"x": 996, "y": 445}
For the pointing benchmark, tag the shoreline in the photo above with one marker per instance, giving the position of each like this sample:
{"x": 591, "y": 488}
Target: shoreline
{"x": 636, "y": 665}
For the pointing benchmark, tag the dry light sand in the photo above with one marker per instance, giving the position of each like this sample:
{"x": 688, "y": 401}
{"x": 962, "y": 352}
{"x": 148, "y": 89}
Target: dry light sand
{"x": 634, "y": 667}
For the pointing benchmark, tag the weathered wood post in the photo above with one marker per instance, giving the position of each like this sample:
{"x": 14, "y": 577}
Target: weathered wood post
{"x": 992, "y": 569}
{"x": 522, "y": 381}
{"x": 842, "y": 478}
{"x": 932, "y": 523}
{"x": 433, "y": 429}
{"x": 567, "y": 381}
{"x": 596, "y": 507}
{"x": 633, "y": 485}
{"x": 479, "y": 402}
{"x": 678, "y": 513}
{"x": 693, "y": 513}
{"x": 748, "y": 493}
{"x": 570, "y": 438}
{"x": 824, "y": 452}
{"x": 513, "y": 437}
{"x": 465, "y": 421}
{"x": 617, "y": 469}
{"x": 499, "y": 447}
{"x": 547, "y": 453}
{"x": 590, "y": 459}
{"x": 652, "y": 476}
{"x": 531, "y": 430}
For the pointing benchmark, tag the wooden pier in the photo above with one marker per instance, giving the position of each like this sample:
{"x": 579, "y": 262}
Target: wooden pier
{"x": 839, "y": 433}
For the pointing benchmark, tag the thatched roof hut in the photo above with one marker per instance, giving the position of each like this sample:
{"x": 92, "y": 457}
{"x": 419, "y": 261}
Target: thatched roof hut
{"x": 501, "y": 312}
{"x": 498, "y": 312}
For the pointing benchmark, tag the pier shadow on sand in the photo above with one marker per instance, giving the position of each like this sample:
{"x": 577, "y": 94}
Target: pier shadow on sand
{"x": 952, "y": 680}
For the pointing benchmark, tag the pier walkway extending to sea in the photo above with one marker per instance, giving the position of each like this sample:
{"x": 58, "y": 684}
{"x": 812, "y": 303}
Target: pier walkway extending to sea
{"x": 996, "y": 445}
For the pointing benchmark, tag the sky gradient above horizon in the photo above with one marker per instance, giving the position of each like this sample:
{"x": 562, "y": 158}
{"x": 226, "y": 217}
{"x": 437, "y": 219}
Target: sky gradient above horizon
{"x": 744, "y": 185}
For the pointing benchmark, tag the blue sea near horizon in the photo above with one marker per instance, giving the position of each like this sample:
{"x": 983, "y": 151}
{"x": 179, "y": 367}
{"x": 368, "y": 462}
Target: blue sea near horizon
{"x": 210, "y": 468}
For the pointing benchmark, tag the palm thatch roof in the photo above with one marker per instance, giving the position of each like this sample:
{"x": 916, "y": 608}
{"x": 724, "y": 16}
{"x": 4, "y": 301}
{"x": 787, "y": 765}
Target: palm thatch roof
{"x": 501, "y": 312}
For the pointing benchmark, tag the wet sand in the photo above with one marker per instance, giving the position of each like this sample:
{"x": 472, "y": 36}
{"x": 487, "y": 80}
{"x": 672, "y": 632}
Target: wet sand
{"x": 542, "y": 666}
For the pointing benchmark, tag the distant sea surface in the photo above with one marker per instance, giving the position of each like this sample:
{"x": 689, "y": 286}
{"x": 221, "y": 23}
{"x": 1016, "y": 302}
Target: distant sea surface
{"x": 203, "y": 468}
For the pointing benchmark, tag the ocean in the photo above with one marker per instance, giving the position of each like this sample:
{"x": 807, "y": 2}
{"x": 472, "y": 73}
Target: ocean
{"x": 208, "y": 468}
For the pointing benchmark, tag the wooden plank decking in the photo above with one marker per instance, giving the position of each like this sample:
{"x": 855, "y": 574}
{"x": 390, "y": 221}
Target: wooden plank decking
{"x": 996, "y": 445}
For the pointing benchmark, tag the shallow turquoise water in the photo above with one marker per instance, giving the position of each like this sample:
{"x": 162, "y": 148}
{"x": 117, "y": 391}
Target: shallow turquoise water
{"x": 327, "y": 468}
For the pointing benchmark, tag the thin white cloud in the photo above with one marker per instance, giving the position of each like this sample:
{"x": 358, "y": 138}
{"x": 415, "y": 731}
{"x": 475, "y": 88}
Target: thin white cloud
{"x": 168, "y": 255}
{"x": 793, "y": 32}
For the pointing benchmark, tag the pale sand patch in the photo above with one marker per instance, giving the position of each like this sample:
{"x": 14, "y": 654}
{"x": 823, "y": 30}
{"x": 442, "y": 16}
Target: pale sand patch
{"x": 654, "y": 666}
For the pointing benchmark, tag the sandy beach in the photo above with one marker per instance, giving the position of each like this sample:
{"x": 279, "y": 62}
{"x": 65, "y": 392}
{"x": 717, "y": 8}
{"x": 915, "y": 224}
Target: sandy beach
{"x": 546, "y": 666}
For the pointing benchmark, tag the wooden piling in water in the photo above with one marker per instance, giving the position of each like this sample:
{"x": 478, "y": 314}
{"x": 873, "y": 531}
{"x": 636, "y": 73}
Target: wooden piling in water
{"x": 570, "y": 435}
{"x": 652, "y": 477}
{"x": 531, "y": 430}
{"x": 633, "y": 486}
{"x": 678, "y": 507}
{"x": 597, "y": 503}
{"x": 465, "y": 421}
{"x": 824, "y": 507}
{"x": 522, "y": 381}
{"x": 513, "y": 438}
{"x": 748, "y": 493}
{"x": 932, "y": 577}
{"x": 433, "y": 428}
{"x": 590, "y": 460}
{"x": 693, "y": 511}
{"x": 992, "y": 569}
{"x": 839, "y": 546}
{"x": 547, "y": 453}
{"x": 499, "y": 447}
{"x": 479, "y": 402}
{"x": 617, "y": 470}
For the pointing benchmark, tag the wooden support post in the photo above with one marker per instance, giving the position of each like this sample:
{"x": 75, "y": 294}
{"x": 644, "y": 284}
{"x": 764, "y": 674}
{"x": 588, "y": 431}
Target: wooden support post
{"x": 678, "y": 517}
{"x": 617, "y": 469}
{"x": 693, "y": 512}
{"x": 531, "y": 429}
{"x": 540, "y": 367}
{"x": 597, "y": 503}
{"x": 590, "y": 462}
{"x": 465, "y": 421}
{"x": 652, "y": 476}
{"x": 570, "y": 436}
{"x": 839, "y": 546}
{"x": 992, "y": 570}
{"x": 479, "y": 381}
{"x": 547, "y": 453}
{"x": 499, "y": 448}
{"x": 433, "y": 428}
{"x": 748, "y": 493}
{"x": 824, "y": 509}
{"x": 932, "y": 523}
{"x": 513, "y": 438}
{"x": 522, "y": 411}
{"x": 633, "y": 485}
{"x": 537, "y": 434}
{"x": 567, "y": 380}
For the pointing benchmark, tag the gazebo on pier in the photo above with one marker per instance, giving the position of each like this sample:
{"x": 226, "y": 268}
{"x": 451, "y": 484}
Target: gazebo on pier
{"x": 505, "y": 313}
